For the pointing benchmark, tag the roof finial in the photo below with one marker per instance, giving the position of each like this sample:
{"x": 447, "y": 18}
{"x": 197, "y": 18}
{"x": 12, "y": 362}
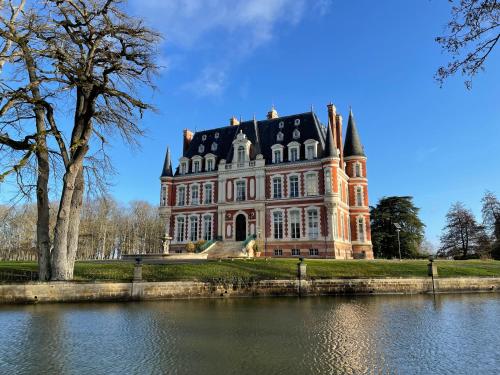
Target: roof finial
{"x": 312, "y": 108}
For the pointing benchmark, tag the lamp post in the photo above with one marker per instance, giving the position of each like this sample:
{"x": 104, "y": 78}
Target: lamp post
{"x": 398, "y": 229}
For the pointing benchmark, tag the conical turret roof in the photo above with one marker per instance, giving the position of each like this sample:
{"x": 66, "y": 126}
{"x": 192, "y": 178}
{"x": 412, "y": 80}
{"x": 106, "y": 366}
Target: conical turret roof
{"x": 352, "y": 145}
{"x": 330, "y": 149}
{"x": 167, "y": 165}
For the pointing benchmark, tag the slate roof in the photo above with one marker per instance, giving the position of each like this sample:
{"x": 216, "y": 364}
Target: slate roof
{"x": 330, "y": 147}
{"x": 352, "y": 145}
{"x": 167, "y": 165}
{"x": 262, "y": 135}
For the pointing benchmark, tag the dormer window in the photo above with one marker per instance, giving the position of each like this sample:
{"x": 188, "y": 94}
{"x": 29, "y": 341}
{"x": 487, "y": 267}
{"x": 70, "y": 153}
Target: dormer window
{"x": 279, "y": 137}
{"x": 201, "y": 148}
{"x": 241, "y": 154}
{"x": 311, "y": 149}
{"x": 196, "y": 166}
{"x": 277, "y": 153}
{"x": 216, "y": 135}
{"x": 293, "y": 151}
{"x": 296, "y": 122}
{"x": 214, "y": 145}
{"x": 204, "y": 137}
{"x": 281, "y": 125}
{"x": 296, "y": 134}
{"x": 210, "y": 165}
{"x": 184, "y": 167}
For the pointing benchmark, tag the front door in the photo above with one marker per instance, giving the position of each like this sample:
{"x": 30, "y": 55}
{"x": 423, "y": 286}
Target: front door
{"x": 241, "y": 228}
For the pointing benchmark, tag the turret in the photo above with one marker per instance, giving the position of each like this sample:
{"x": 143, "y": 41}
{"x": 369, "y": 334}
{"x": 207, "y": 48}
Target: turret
{"x": 167, "y": 165}
{"x": 359, "y": 211}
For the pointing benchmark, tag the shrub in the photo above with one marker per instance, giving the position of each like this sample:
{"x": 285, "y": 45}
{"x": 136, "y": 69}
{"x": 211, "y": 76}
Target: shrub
{"x": 190, "y": 247}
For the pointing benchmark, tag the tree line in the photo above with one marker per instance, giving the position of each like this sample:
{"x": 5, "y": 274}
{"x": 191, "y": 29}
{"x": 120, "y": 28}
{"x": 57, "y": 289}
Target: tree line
{"x": 107, "y": 230}
{"x": 463, "y": 236}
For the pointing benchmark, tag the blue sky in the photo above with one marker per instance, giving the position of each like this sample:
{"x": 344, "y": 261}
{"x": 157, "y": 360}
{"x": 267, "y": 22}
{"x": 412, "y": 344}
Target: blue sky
{"x": 227, "y": 58}
{"x": 238, "y": 57}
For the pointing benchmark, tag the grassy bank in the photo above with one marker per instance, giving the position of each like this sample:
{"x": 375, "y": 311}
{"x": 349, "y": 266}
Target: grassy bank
{"x": 260, "y": 269}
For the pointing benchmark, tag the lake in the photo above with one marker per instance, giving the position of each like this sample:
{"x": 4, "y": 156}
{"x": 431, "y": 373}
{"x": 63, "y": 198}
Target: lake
{"x": 451, "y": 334}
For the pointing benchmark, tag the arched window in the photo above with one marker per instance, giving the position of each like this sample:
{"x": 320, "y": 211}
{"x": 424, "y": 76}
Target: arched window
{"x": 241, "y": 154}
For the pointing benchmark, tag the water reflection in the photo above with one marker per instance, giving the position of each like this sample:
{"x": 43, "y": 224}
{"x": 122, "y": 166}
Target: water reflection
{"x": 362, "y": 335}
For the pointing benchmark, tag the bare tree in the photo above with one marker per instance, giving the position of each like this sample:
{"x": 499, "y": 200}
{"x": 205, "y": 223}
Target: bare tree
{"x": 91, "y": 56}
{"x": 472, "y": 34}
{"x": 491, "y": 213}
{"x": 462, "y": 235}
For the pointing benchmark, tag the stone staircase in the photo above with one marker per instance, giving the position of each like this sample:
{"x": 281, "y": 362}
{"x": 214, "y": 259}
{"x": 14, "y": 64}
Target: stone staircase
{"x": 226, "y": 249}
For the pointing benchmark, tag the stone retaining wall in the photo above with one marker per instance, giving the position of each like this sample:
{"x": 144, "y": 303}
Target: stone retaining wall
{"x": 77, "y": 292}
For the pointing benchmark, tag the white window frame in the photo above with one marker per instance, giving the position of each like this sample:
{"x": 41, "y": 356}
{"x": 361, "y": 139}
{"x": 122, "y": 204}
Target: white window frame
{"x": 292, "y": 212}
{"x": 209, "y": 158}
{"x": 295, "y": 252}
{"x": 184, "y": 201}
{"x": 192, "y": 202}
{"x": 241, "y": 154}
{"x": 361, "y": 234}
{"x": 273, "y": 191}
{"x": 179, "y": 237}
{"x": 208, "y": 218}
{"x": 358, "y": 195}
{"x": 293, "y": 146}
{"x": 314, "y": 144}
{"x": 277, "y": 235}
{"x": 313, "y": 232}
{"x": 205, "y": 195}
{"x": 315, "y": 190}
{"x": 357, "y": 169}
{"x": 237, "y": 184}
{"x": 290, "y": 185}
{"x": 277, "y": 148}
{"x": 196, "y": 220}
{"x": 163, "y": 195}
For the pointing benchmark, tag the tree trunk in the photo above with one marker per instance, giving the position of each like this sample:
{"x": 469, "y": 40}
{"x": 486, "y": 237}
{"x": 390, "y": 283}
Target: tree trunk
{"x": 74, "y": 223}
{"x": 60, "y": 265}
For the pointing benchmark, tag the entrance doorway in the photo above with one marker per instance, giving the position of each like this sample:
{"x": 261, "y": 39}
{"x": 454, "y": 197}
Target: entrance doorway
{"x": 241, "y": 228}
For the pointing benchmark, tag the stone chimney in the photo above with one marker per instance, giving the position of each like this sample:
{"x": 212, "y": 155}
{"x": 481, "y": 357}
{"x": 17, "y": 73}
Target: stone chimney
{"x": 233, "y": 121}
{"x": 188, "y": 136}
{"x": 272, "y": 113}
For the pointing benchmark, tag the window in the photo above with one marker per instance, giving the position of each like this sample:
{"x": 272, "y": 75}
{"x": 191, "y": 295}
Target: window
{"x": 296, "y": 134}
{"x": 359, "y": 196}
{"x": 207, "y": 227}
{"x": 342, "y": 230}
{"x": 193, "y": 237}
{"x": 295, "y": 224}
{"x": 195, "y": 194}
{"x": 294, "y": 154}
{"x": 281, "y": 125}
{"x": 357, "y": 170}
{"x": 201, "y": 148}
{"x": 163, "y": 195}
{"x": 278, "y": 224}
{"x": 310, "y": 152}
{"x": 279, "y": 137}
{"x": 296, "y": 122}
{"x": 196, "y": 166}
{"x": 241, "y": 154}
{"x": 204, "y": 138}
{"x": 207, "y": 194}
{"x": 277, "y": 187}
{"x": 180, "y": 229}
{"x": 294, "y": 186}
{"x": 216, "y": 135}
{"x": 313, "y": 223}
{"x": 295, "y": 252}
{"x": 361, "y": 230}
{"x": 210, "y": 165}
{"x": 313, "y": 252}
{"x": 214, "y": 145}
{"x": 181, "y": 200}
{"x": 328, "y": 181}
{"x": 183, "y": 167}
{"x": 277, "y": 156}
{"x": 311, "y": 184}
{"x": 240, "y": 190}
{"x": 278, "y": 252}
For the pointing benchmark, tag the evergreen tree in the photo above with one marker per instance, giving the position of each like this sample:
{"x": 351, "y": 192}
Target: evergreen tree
{"x": 491, "y": 221}
{"x": 396, "y": 210}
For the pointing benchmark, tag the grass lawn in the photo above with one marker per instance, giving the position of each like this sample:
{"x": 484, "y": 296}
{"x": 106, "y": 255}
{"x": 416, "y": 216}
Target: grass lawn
{"x": 260, "y": 269}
